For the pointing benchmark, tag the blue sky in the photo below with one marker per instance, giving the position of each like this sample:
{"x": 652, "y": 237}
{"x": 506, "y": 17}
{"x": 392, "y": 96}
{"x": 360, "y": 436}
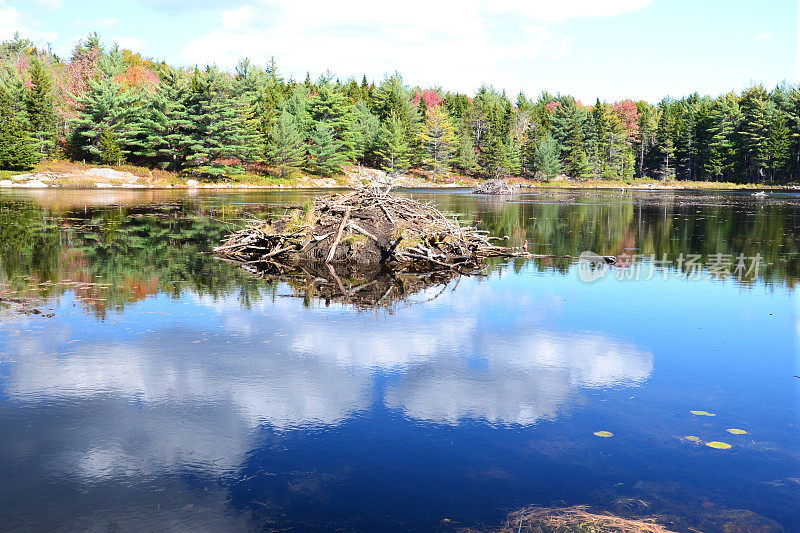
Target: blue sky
{"x": 610, "y": 49}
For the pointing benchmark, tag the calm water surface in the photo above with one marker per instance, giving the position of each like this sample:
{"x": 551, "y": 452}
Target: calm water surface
{"x": 170, "y": 390}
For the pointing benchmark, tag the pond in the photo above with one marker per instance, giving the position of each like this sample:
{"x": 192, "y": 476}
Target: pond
{"x": 150, "y": 386}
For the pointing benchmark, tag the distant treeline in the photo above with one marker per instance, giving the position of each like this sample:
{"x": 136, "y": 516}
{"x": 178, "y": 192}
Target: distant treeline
{"x": 112, "y": 106}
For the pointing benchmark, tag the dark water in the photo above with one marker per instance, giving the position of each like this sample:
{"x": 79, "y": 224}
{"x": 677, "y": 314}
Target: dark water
{"x": 173, "y": 391}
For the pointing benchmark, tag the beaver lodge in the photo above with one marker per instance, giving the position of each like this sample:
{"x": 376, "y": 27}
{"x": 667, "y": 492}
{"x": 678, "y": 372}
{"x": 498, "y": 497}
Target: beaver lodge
{"x": 358, "y": 246}
{"x": 495, "y": 186}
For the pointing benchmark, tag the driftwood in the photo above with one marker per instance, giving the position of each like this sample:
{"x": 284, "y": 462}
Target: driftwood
{"x": 495, "y": 186}
{"x": 368, "y": 227}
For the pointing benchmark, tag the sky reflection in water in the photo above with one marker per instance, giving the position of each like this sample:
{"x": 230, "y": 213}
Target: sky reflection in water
{"x": 246, "y": 408}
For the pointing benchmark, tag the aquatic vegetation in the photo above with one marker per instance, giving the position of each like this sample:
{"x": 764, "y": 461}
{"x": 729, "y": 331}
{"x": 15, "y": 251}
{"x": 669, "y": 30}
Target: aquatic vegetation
{"x": 718, "y": 445}
{"x": 736, "y": 431}
{"x": 702, "y": 413}
{"x": 692, "y": 438}
{"x": 603, "y": 434}
{"x": 578, "y": 518}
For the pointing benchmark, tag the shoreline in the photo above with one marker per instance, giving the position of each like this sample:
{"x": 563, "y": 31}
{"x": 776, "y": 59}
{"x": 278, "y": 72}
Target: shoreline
{"x": 79, "y": 176}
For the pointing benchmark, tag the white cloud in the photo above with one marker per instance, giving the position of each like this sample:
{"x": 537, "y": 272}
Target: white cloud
{"x": 131, "y": 43}
{"x": 764, "y": 36}
{"x": 50, "y": 4}
{"x": 566, "y": 9}
{"x": 107, "y": 22}
{"x": 11, "y": 22}
{"x": 467, "y": 44}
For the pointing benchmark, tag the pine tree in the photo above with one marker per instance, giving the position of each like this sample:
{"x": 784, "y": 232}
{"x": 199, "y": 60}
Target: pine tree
{"x": 17, "y": 150}
{"x": 755, "y": 130}
{"x": 105, "y": 107}
{"x": 601, "y": 131}
{"x": 221, "y": 125}
{"x": 546, "y": 159}
{"x": 577, "y": 164}
{"x": 394, "y": 148}
{"x": 495, "y": 155}
{"x": 528, "y": 152}
{"x": 665, "y": 142}
{"x": 285, "y": 147}
{"x": 367, "y": 129}
{"x": 110, "y": 151}
{"x": 40, "y": 108}
{"x": 167, "y": 125}
{"x": 466, "y": 159}
{"x": 720, "y": 147}
{"x": 647, "y": 135}
{"x": 779, "y": 145}
{"x": 327, "y": 155}
{"x": 514, "y": 153}
{"x": 438, "y": 139}
{"x": 394, "y": 98}
{"x": 328, "y": 105}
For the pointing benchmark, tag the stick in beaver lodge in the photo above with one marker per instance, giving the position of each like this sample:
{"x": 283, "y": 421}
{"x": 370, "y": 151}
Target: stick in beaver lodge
{"x": 495, "y": 186}
{"x": 367, "y": 226}
{"x": 367, "y": 248}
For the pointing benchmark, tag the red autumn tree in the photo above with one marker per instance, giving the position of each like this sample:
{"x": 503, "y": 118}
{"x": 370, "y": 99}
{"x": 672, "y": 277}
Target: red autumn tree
{"x": 628, "y": 115}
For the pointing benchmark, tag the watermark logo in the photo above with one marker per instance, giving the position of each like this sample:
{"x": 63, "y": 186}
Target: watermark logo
{"x": 593, "y": 266}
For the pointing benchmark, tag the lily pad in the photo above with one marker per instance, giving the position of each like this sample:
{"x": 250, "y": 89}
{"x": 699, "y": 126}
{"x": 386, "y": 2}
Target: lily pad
{"x": 718, "y": 445}
{"x": 692, "y": 438}
{"x": 736, "y": 431}
{"x": 603, "y": 433}
{"x": 702, "y": 413}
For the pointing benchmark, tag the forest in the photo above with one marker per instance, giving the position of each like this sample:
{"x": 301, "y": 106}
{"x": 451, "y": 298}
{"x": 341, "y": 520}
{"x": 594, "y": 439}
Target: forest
{"x": 108, "y": 105}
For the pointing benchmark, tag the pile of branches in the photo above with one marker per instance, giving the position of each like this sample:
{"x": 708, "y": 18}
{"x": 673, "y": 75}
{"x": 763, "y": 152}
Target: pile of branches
{"x": 367, "y": 226}
{"x": 495, "y": 186}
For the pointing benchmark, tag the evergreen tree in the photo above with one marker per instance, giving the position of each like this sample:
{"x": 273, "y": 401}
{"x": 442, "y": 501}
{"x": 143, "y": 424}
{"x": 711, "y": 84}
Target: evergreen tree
{"x": 601, "y": 138}
{"x": 720, "y": 148}
{"x": 547, "y": 163}
{"x": 168, "y": 127}
{"x": 221, "y": 125}
{"x": 17, "y": 150}
{"x": 41, "y": 109}
{"x": 647, "y": 135}
{"x": 327, "y": 155}
{"x": 105, "y": 107}
{"x": 495, "y": 156}
{"x": 779, "y": 145}
{"x": 465, "y": 158}
{"x": 394, "y": 149}
{"x": 754, "y": 130}
{"x": 438, "y": 140}
{"x": 110, "y": 151}
{"x": 514, "y": 157}
{"x": 576, "y": 161}
{"x": 367, "y": 129}
{"x": 285, "y": 147}
{"x": 665, "y": 142}
{"x": 328, "y": 105}
{"x": 394, "y": 98}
